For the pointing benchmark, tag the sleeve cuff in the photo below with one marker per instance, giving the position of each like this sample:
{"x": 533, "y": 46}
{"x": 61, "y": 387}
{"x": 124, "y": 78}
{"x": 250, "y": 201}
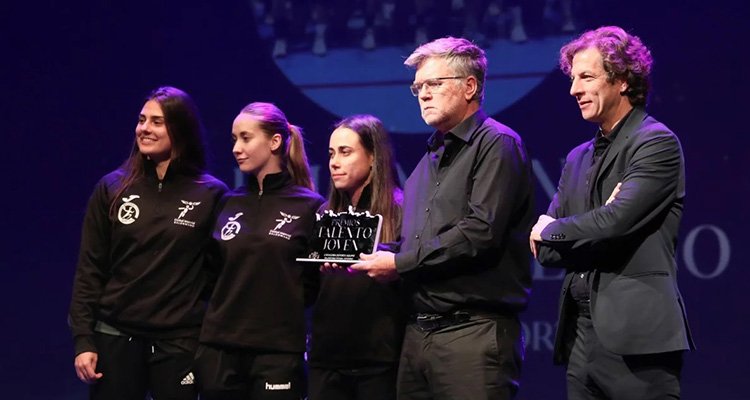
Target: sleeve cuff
{"x": 84, "y": 343}
{"x": 405, "y": 261}
{"x": 549, "y": 234}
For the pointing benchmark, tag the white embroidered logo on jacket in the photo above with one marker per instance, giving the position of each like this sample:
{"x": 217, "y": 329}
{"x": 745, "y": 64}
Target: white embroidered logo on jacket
{"x": 231, "y": 228}
{"x": 128, "y": 211}
{"x": 188, "y": 206}
{"x": 286, "y": 218}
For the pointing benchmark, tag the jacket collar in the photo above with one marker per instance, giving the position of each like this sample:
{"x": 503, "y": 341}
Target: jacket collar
{"x": 364, "y": 198}
{"x": 271, "y": 182}
{"x": 149, "y": 170}
{"x": 629, "y": 127}
{"x": 463, "y": 131}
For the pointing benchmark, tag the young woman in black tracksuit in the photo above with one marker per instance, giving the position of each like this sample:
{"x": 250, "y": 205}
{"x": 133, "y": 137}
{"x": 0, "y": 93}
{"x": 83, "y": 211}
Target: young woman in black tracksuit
{"x": 140, "y": 283}
{"x": 253, "y": 336}
{"x": 358, "y": 323}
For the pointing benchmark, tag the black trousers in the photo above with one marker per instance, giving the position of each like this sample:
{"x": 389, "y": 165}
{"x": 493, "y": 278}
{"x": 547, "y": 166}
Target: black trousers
{"x": 477, "y": 359}
{"x": 132, "y": 367}
{"x": 228, "y": 374}
{"x": 596, "y": 373}
{"x": 368, "y": 383}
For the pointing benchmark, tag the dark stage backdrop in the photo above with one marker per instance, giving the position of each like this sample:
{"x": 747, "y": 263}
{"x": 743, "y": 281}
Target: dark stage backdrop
{"x": 73, "y": 76}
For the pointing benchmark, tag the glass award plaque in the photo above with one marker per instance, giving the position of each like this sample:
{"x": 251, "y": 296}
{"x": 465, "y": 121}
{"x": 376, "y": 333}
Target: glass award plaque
{"x": 341, "y": 237}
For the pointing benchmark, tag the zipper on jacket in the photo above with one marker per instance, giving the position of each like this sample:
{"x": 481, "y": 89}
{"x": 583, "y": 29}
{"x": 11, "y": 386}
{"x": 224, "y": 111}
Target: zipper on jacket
{"x": 159, "y": 186}
{"x": 260, "y": 193}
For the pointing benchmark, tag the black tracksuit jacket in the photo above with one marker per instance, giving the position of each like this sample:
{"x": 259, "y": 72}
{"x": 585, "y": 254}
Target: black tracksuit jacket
{"x": 260, "y": 295}
{"x": 357, "y": 321}
{"x": 143, "y": 269}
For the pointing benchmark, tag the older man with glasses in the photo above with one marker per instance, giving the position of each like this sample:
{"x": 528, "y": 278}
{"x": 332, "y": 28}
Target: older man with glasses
{"x": 462, "y": 257}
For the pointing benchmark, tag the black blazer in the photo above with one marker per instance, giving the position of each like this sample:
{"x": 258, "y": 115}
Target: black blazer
{"x": 629, "y": 244}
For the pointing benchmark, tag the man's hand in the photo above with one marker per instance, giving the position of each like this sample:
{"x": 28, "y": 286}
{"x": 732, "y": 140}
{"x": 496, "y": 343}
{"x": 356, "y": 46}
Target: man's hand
{"x": 85, "y": 364}
{"x": 614, "y": 194}
{"x": 380, "y": 266}
{"x": 333, "y": 268}
{"x": 536, "y": 232}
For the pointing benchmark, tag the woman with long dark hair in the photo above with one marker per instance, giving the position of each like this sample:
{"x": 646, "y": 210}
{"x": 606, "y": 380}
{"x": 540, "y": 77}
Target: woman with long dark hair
{"x": 140, "y": 283}
{"x": 357, "y": 322}
{"x": 253, "y": 336}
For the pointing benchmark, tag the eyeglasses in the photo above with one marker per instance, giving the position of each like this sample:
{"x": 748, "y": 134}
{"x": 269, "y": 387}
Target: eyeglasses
{"x": 433, "y": 85}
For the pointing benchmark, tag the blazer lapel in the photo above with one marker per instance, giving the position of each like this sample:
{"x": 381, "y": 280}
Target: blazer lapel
{"x": 634, "y": 121}
{"x": 583, "y": 184}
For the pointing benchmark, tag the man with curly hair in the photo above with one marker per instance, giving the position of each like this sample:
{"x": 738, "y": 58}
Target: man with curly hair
{"x": 613, "y": 226}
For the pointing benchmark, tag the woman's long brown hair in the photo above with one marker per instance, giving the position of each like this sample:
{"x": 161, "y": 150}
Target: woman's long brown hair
{"x": 186, "y": 134}
{"x": 385, "y": 187}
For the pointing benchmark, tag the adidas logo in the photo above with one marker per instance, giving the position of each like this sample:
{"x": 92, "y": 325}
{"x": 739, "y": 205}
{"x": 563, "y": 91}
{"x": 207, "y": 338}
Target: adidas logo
{"x": 189, "y": 379}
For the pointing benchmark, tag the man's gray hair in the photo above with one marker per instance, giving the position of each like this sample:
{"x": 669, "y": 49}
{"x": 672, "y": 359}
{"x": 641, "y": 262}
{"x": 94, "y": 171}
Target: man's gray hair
{"x": 466, "y": 59}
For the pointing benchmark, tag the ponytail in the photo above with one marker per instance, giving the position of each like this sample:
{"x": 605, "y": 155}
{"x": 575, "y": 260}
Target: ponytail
{"x": 272, "y": 121}
{"x": 296, "y": 158}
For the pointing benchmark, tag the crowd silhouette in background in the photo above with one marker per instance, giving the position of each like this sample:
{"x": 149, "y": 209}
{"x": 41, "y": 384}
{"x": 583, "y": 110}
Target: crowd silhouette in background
{"x": 317, "y": 26}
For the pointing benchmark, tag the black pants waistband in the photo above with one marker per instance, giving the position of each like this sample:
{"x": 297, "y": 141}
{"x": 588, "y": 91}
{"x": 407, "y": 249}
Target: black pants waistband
{"x": 433, "y": 321}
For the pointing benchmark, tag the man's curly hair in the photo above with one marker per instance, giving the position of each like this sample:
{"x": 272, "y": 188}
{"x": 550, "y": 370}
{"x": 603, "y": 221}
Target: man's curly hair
{"x": 625, "y": 57}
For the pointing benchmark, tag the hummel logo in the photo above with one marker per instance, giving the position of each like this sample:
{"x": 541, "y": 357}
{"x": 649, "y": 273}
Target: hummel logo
{"x": 279, "y": 386}
{"x": 189, "y": 379}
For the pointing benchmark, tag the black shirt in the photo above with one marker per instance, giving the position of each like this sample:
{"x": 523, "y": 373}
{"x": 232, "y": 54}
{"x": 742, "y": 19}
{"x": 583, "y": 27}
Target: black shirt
{"x": 467, "y": 212}
{"x": 580, "y": 285}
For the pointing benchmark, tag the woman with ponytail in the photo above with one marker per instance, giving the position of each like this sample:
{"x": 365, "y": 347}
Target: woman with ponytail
{"x": 358, "y": 323}
{"x": 140, "y": 287}
{"x": 253, "y": 337}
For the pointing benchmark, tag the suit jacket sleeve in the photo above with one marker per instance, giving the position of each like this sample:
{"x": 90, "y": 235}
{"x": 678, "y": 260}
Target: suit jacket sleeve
{"x": 563, "y": 255}
{"x": 547, "y": 255}
{"x": 649, "y": 186}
